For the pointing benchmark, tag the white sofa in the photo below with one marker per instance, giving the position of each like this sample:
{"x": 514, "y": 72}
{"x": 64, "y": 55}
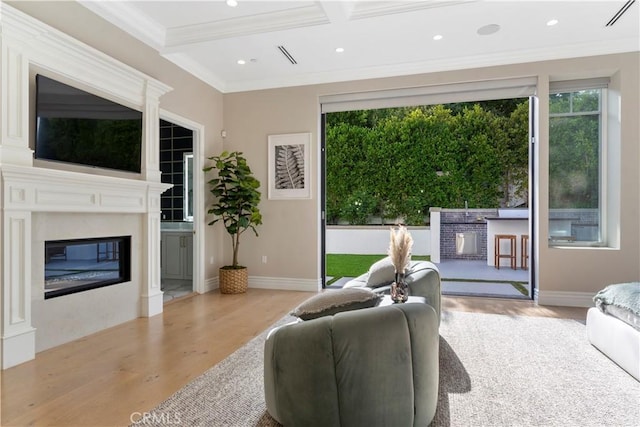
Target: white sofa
{"x": 613, "y": 326}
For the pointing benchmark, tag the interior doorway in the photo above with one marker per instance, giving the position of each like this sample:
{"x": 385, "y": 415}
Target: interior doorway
{"x": 465, "y": 272}
{"x": 176, "y": 226}
{"x": 181, "y": 148}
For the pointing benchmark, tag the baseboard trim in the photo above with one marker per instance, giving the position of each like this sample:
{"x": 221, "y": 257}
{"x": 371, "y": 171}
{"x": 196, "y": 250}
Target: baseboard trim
{"x": 211, "y": 285}
{"x": 276, "y": 283}
{"x": 566, "y": 299}
{"x": 18, "y": 348}
{"x": 285, "y": 283}
{"x": 151, "y": 304}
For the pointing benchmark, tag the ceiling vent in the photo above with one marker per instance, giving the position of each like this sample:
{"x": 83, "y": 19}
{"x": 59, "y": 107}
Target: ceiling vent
{"x": 287, "y": 55}
{"x": 619, "y": 13}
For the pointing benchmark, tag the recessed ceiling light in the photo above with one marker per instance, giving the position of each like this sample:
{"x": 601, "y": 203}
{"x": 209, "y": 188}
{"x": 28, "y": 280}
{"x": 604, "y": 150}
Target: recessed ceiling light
{"x": 437, "y": 37}
{"x": 241, "y": 62}
{"x": 339, "y": 49}
{"x": 488, "y": 29}
{"x": 552, "y": 22}
{"x": 232, "y": 3}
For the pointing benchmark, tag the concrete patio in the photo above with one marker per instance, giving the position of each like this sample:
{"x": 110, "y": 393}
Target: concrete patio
{"x": 477, "y": 278}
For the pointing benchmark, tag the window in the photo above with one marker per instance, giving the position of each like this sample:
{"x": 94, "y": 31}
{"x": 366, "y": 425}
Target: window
{"x": 576, "y": 160}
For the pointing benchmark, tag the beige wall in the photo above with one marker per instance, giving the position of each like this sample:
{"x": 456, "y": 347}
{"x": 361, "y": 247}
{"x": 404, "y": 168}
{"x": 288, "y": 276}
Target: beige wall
{"x": 289, "y": 236}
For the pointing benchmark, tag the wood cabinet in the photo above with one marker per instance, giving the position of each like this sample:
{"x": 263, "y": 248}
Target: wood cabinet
{"x": 177, "y": 255}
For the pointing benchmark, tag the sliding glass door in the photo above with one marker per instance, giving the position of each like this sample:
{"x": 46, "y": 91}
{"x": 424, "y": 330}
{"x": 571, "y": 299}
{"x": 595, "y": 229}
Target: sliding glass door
{"x": 517, "y": 188}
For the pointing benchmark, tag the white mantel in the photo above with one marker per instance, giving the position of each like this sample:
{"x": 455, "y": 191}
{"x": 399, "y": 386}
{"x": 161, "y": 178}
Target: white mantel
{"x": 28, "y": 45}
{"x": 48, "y": 190}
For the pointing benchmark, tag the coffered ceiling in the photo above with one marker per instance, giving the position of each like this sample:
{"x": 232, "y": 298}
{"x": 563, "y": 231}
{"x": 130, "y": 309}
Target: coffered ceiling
{"x": 290, "y": 43}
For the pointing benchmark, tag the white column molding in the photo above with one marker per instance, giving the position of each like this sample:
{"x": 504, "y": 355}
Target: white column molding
{"x": 151, "y": 301}
{"x": 18, "y": 336}
{"x": 14, "y": 142}
{"x": 150, "y": 133}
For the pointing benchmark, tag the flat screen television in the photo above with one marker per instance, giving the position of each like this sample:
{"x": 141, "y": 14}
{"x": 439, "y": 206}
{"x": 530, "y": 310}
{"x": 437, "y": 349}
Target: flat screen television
{"x": 75, "y": 126}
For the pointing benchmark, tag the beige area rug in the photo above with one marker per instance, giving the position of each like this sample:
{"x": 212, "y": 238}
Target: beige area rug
{"x": 495, "y": 370}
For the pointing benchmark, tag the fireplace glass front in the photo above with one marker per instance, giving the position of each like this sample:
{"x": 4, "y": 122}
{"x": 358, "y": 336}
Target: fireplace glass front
{"x": 79, "y": 265}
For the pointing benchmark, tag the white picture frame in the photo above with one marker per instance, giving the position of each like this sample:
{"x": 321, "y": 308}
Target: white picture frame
{"x": 289, "y": 167}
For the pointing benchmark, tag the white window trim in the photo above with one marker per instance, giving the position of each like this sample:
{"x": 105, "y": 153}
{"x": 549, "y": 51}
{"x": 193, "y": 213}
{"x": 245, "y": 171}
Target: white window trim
{"x": 603, "y": 170}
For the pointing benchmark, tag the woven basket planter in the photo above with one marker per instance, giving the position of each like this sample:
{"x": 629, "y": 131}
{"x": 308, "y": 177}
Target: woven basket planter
{"x": 233, "y": 280}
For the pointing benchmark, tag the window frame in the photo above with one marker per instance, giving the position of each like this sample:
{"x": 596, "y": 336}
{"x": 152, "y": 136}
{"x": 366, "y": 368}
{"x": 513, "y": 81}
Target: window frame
{"x": 602, "y": 112}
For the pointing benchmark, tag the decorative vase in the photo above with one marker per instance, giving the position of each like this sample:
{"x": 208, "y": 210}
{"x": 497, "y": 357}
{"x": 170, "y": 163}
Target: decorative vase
{"x": 399, "y": 289}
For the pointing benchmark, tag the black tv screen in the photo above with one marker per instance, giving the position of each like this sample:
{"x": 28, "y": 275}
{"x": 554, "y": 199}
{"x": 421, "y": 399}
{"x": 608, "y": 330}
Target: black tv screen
{"x": 78, "y": 127}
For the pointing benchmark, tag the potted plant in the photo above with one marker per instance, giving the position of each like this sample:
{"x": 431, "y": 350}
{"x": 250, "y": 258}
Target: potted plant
{"x": 236, "y": 204}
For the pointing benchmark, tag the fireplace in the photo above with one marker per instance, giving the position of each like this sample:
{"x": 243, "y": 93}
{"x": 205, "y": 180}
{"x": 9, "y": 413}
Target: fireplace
{"x": 78, "y": 265}
{"x": 43, "y": 201}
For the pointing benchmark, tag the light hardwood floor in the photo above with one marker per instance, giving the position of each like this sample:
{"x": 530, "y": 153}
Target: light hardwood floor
{"x": 102, "y": 379}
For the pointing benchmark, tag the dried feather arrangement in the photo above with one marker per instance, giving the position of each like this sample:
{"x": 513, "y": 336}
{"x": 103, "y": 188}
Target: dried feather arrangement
{"x": 400, "y": 248}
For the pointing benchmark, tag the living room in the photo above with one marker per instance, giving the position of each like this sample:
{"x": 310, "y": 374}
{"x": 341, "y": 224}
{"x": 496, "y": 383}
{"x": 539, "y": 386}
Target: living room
{"x": 564, "y": 276}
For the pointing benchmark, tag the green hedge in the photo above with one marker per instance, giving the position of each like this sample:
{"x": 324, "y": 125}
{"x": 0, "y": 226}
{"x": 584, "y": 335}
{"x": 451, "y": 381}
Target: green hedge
{"x": 400, "y": 162}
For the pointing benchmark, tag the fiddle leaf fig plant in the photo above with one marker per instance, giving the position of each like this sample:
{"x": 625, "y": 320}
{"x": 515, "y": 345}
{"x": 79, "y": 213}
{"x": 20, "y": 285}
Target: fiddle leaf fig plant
{"x": 236, "y": 197}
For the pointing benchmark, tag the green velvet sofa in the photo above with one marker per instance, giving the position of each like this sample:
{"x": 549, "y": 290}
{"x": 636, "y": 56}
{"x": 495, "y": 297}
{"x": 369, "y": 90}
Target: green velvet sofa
{"x": 369, "y": 367}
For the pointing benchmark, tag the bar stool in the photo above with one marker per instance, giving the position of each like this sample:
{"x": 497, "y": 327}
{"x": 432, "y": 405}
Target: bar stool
{"x": 524, "y": 251}
{"x": 512, "y": 250}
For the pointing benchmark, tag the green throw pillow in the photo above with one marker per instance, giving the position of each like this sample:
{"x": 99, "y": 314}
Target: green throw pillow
{"x": 331, "y": 302}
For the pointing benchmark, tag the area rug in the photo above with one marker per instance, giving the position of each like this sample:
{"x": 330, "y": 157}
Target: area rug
{"x": 495, "y": 370}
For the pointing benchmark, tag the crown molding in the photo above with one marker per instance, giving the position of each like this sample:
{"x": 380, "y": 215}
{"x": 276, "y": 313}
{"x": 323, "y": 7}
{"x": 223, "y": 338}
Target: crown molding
{"x": 50, "y": 49}
{"x": 196, "y": 69}
{"x": 267, "y": 22}
{"x": 371, "y": 9}
{"x": 129, "y": 19}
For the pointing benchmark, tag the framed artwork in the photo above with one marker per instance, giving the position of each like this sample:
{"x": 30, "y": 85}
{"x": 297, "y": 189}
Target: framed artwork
{"x": 289, "y": 176}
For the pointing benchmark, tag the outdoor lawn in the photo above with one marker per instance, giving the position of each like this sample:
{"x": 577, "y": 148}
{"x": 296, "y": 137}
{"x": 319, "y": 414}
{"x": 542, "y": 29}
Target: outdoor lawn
{"x": 350, "y": 265}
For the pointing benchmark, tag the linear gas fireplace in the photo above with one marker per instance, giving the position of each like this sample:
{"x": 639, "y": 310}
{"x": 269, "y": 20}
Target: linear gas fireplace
{"x": 78, "y": 265}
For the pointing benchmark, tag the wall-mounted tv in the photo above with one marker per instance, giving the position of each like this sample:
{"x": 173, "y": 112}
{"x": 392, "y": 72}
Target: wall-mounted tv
{"x": 75, "y": 126}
